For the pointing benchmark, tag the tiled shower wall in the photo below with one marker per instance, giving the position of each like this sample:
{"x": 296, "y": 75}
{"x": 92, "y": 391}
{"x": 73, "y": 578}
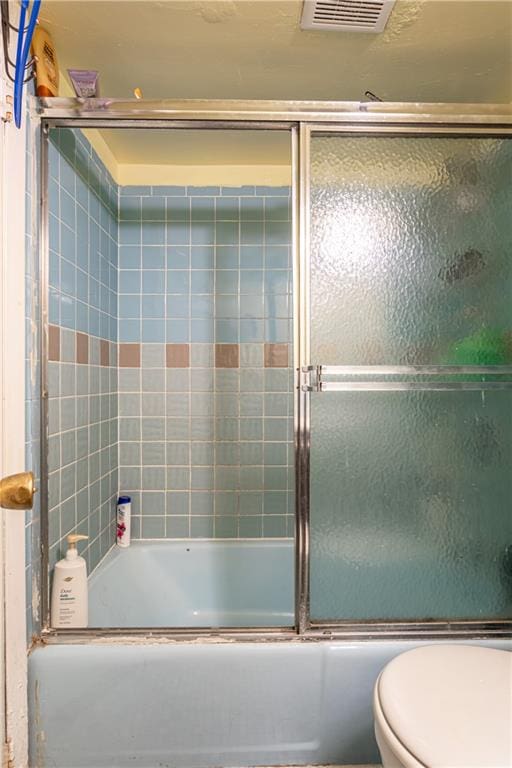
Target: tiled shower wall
{"x": 82, "y": 369}
{"x": 205, "y": 401}
{"x": 180, "y": 298}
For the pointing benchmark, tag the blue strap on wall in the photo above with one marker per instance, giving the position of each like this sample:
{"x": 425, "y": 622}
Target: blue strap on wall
{"x": 22, "y": 53}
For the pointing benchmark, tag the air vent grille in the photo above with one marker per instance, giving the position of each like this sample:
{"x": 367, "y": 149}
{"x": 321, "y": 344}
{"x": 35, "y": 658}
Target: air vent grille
{"x": 346, "y": 15}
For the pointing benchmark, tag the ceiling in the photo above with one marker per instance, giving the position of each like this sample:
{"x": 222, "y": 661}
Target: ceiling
{"x": 199, "y": 147}
{"x": 431, "y": 50}
{"x": 184, "y": 156}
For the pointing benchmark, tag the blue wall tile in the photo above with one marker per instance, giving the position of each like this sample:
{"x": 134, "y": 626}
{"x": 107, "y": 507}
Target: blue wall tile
{"x": 194, "y": 266}
{"x": 177, "y": 330}
{"x": 83, "y": 276}
{"x": 227, "y": 281}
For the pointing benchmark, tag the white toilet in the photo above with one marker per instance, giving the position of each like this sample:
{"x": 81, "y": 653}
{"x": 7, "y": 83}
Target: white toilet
{"x": 445, "y": 706}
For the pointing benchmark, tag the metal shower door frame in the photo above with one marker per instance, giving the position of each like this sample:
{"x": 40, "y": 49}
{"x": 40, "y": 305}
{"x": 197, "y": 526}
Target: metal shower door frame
{"x": 310, "y": 380}
{"x": 302, "y": 119}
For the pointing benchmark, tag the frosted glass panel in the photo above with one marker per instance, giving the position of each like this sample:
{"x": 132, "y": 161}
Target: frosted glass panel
{"x": 411, "y": 505}
{"x": 411, "y": 250}
{"x": 411, "y": 264}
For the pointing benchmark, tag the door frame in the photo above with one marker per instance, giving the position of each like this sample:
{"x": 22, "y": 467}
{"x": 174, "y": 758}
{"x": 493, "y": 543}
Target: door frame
{"x": 12, "y": 428}
{"x": 310, "y": 378}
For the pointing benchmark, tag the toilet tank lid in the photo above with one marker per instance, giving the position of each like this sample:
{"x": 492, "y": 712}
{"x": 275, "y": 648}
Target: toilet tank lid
{"x": 451, "y": 705}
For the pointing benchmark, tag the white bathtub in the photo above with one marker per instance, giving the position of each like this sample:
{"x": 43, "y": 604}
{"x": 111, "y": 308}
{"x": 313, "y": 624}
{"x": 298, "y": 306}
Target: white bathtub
{"x": 238, "y": 583}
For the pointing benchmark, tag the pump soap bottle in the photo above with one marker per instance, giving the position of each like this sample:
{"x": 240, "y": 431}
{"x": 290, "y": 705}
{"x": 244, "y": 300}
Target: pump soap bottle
{"x": 69, "y": 593}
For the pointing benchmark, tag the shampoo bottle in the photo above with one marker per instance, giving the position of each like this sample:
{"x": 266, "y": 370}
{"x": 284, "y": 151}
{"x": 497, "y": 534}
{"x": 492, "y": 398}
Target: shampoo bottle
{"x": 124, "y": 513}
{"x": 69, "y": 593}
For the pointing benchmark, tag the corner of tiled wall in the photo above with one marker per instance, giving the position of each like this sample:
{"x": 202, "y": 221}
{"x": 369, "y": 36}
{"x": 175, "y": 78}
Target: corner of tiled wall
{"x": 82, "y": 367}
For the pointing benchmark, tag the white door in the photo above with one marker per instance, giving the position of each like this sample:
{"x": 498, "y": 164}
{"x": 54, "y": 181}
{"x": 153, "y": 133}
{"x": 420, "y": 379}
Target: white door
{"x": 13, "y": 642}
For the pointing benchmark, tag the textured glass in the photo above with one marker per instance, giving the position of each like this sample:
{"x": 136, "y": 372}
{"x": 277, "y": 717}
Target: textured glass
{"x": 411, "y": 490}
{"x": 411, "y": 505}
{"x": 411, "y": 251}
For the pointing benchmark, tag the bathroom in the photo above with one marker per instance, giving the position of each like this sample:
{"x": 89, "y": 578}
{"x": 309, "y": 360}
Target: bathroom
{"x": 259, "y": 346}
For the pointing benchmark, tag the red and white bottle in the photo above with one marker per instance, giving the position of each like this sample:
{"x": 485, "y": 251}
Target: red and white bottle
{"x": 124, "y": 511}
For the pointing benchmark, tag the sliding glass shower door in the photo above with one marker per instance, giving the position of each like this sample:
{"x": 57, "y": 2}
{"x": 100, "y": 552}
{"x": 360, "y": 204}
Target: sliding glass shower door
{"x": 410, "y": 270}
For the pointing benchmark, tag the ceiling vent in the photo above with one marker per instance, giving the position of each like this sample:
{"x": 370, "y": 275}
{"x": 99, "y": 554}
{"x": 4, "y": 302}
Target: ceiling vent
{"x": 346, "y": 15}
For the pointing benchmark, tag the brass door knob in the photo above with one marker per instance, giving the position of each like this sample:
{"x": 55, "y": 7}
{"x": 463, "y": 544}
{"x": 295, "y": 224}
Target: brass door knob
{"x": 17, "y": 491}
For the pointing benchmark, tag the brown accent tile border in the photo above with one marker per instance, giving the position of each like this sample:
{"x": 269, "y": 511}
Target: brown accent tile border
{"x": 227, "y": 356}
{"x": 82, "y": 348}
{"x": 104, "y": 352}
{"x": 129, "y": 355}
{"x": 53, "y": 342}
{"x": 276, "y": 355}
{"x": 177, "y": 355}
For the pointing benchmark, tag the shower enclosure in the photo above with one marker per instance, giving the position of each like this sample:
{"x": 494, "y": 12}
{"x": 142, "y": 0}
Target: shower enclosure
{"x": 410, "y": 346}
{"x": 359, "y": 458}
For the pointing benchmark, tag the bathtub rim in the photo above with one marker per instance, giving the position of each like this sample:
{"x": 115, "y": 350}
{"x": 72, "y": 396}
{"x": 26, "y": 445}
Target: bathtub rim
{"x": 350, "y": 632}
